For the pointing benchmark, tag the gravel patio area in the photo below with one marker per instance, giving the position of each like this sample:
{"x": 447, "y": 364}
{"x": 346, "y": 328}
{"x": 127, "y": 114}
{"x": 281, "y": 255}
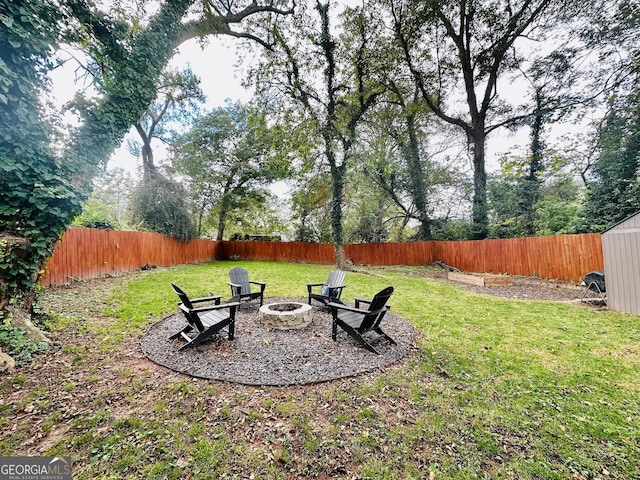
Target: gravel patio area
{"x": 260, "y": 356}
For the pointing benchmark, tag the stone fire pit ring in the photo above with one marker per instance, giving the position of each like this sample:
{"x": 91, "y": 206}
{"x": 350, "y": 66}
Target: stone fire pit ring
{"x": 285, "y": 315}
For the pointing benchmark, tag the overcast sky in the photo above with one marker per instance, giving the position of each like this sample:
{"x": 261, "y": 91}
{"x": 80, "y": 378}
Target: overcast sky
{"x": 215, "y": 65}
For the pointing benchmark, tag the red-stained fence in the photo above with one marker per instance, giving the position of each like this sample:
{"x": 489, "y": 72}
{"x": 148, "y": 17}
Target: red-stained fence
{"x": 85, "y": 253}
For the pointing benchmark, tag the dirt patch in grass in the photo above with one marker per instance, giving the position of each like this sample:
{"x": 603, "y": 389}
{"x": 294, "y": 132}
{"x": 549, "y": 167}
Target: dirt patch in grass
{"x": 522, "y": 288}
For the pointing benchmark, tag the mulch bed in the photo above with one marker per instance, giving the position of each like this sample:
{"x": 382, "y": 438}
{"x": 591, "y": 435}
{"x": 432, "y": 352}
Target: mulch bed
{"x": 260, "y": 356}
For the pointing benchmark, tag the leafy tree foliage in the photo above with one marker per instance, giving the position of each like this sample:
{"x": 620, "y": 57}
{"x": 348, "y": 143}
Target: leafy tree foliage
{"x": 159, "y": 205}
{"x": 179, "y": 94}
{"x": 400, "y": 154}
{"x": 331, "y": 80}
{"x": 263, "y": 216}
{"x": 467, "y": 46}
{"x": 177, "y": 99}
{"x": 227, "y": 162}
{"x": 614, "y": 192}
{"x": 369, "y": 213}
{"x": 37, "y": 198}
{"x": 311, "y": 208}
{"x": 560, "y": 209}
{"x": 453, "y": 229}
{"x": 107, "y": 205}
{"x": 396, "y": 158}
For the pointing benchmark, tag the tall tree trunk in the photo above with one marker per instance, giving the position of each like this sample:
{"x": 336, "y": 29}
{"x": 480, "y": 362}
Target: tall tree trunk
{"x": 222, "y": 217}
{"x": 418, "y": 184}
{"x": 337, "y": 186}
{"x": 148, "y": 167}
{"x": 200, "y": 219}
{"x": 480, "y": 210}
{"x": 530, "y": 191}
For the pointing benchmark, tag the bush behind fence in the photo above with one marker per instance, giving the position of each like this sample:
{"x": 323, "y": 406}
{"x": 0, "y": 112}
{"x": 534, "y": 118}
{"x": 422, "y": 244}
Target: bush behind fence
{"x": 85, "y": 253}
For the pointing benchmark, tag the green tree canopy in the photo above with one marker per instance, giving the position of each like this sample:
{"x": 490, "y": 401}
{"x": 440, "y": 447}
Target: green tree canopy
{"x": 159, "y": 204}
{"x": 457, "y": 51}
{"x": 328, "y": 75}
{"x": 227, "y": 160}
{"x": 614, "y": 192}
{"x": 37, "y": 193}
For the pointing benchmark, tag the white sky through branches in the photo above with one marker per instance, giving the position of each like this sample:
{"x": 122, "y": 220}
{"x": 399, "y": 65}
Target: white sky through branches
{"x": 215, "y": 65}
{"x": 218, "y": 67}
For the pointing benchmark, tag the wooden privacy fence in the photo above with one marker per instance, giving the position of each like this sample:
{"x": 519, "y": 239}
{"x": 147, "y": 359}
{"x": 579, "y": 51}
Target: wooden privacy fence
{"x": 303, "y": 252}
{"x": 85, "y": 253}
{"x": 563, "y": 257}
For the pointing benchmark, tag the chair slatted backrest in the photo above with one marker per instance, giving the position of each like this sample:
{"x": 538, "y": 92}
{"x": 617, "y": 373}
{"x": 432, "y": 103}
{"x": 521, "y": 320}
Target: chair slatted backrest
{"x": 378, "y": 303}
{"x": 240, "y": 276}
{"x": 335, "y": 282}
{"x": 184, "y": 298}
{"x": 186, "y": 306}
{"x": 335, "y": 279}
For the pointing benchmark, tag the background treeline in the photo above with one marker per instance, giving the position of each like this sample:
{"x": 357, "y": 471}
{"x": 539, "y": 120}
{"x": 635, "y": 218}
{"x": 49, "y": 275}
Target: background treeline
{"x": 381, "y": 119}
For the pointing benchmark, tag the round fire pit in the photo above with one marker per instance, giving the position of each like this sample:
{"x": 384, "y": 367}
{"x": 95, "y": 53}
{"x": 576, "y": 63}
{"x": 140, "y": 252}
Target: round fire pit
{"x": 285, "y": 315}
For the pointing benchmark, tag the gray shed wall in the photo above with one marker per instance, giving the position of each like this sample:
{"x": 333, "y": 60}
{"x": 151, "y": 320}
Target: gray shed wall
{"x": 621, "y": 255}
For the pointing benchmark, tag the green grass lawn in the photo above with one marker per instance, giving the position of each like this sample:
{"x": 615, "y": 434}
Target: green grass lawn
{"x": 497, "y": 389}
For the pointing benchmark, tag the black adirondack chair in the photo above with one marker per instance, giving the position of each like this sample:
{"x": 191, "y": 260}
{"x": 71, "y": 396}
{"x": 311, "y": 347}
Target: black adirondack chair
{"x": 330, "y": 291}
{"x": 206, "y": 320}
{"x": 358, "y": 321}
{"x": 241, "y": 286}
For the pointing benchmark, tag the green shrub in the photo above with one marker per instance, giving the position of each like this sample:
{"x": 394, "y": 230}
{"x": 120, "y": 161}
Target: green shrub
{"x": 14, "y": 342}
{"x": 158, "y": 204}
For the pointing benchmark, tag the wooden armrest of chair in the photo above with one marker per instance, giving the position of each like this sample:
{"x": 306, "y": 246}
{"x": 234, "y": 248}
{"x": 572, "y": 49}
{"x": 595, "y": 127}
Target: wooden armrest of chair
{"x": 342, "y": 306}
{"x": 213, "y": 298}
{"x": 231, "y": 304}
{"x": 358, "y": 301}
{"x": 261, "y": 284}
{"x": 208, "y": 308}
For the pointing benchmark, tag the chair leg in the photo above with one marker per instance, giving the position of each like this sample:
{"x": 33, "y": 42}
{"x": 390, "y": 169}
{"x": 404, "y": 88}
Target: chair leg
{"x": 357, "y": 337}
{"x": 207, "y": 334}
{"x": 380, "y": 332}
{"x": 232, "y": 330}
{"x": 186, "y": 329}
{"x": 198, "y": 339}
{"x": 190, "y": 344}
